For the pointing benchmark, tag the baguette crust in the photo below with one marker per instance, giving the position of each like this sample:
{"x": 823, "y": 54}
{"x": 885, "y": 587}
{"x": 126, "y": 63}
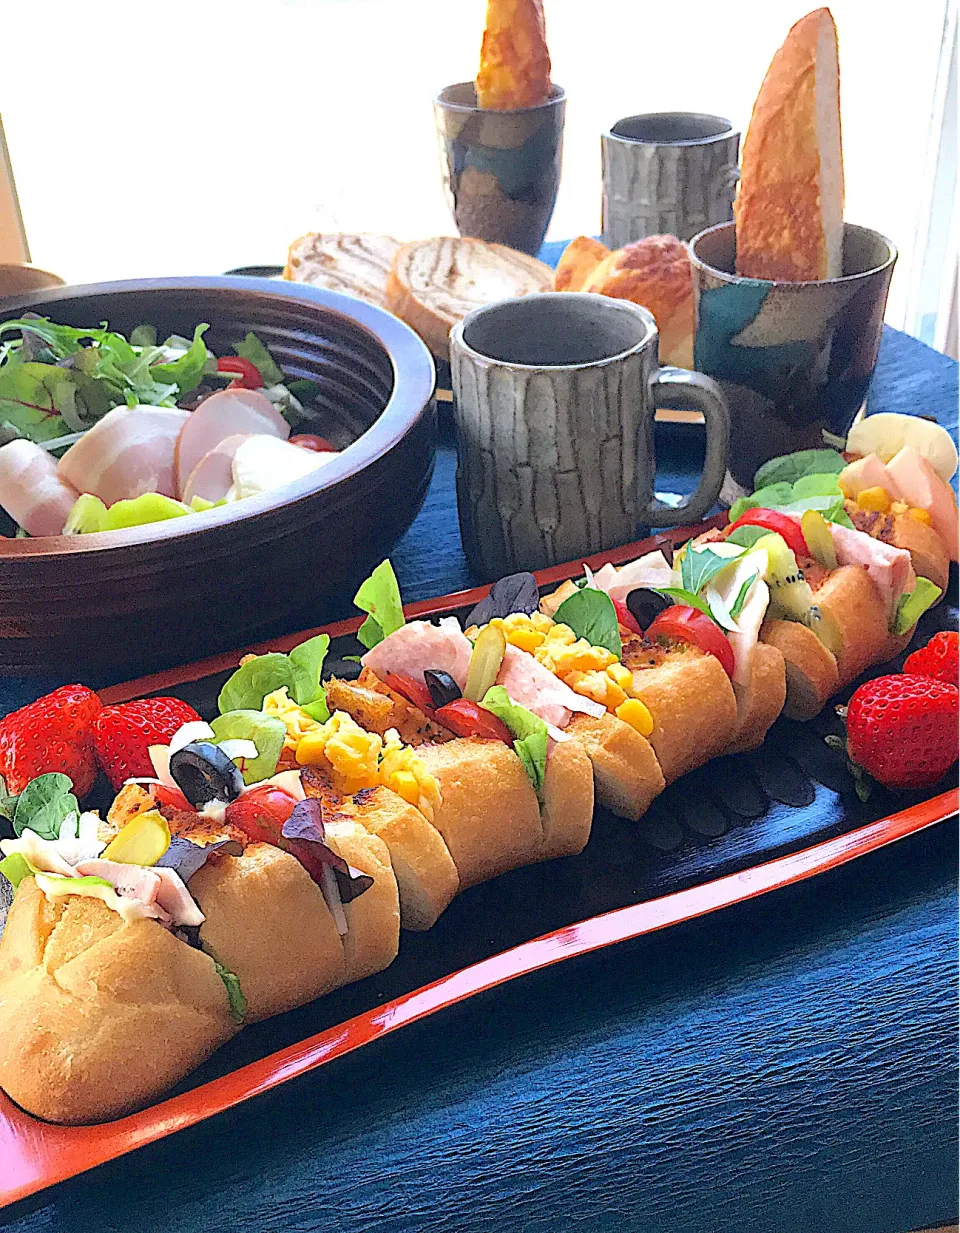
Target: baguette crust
{"x": 567, "y": 813}
{"x": 850, "y": 596}
{"x": 99, "y": 1016}
{"x": 577, "y": 262}
{"x": 760, "y": 705}
{"x": 789, "y": 206}
{"x": 372, "y": 939}
{"x": 626, "y": 773}
{"x": 929, "y": 554}
{"x": 514, "y": 60}
{"x": 433, "y": 284}
{"x": 355, "y": 264}
{"x": 812, "y": 676}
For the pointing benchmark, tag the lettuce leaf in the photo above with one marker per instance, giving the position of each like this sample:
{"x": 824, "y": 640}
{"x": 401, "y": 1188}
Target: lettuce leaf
{"x": 15, "y": 868}
{"x": 252, "y": 349}
{"x": 379, "y": 597}
{"x": 266, "y": 731}
{"x": 298, "y": 672}
{"x": 913, "y": 604}
{"x": 528, "y": 730}
{"x": 590, "y": 614}
{"x": 307, "y": 660}
{"x": 235, "y": 998}
{"x": 186, "y": 372}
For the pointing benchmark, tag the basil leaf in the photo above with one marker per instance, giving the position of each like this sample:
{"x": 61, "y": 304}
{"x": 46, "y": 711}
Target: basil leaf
{"x": 591, "y": 615}
{"x": 43, "y": 805}
{"x": 235, "y": 998}
{"x": 788, "y": 468}
{"x": 737, "y": 606}
{"x": 15, "y": 868}
{"x": 252, "y": 681}
{"x": 700, "y": 565}
{"x": 252, "y": 349}
{"x": 529, "y": 732}
{"x": 769, "y": 497}
{"x": 687, "y": 597}
{"x": 515, "y": 593}
{"x": 380, "y": 597}
{"x": 746, "y": 537}
{"x": 817, "y": 485}
{"x": 307, "y": 660}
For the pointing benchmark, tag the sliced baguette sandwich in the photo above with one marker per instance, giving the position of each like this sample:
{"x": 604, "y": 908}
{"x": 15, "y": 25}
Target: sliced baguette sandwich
{"x": 355, "y": 264}
{"x": 434, "y": 283}
{"x": 789, "y": 206}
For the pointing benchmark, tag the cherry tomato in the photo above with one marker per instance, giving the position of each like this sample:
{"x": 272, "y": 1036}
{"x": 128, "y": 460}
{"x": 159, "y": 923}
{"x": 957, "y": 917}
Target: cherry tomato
{"x": 261, "y": 812}
{"x": 691, "y": 625}
{"x": 309, "y": 441}
{"x": 770, "y": 520}
{"x": 248, "y": 374}
{"x": 414, "y": 691}
{"x": 173, "y": 798}
{"x": 626, "y": 618}
{"x": 466, "y": 718}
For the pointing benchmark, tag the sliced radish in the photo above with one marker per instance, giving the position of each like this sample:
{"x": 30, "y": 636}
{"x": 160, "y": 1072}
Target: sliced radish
{"x": 212, "y": 477}
{"x": 31, "y": 490}
{"x": 127, "y": 453}
{"x": 226, "y": 414}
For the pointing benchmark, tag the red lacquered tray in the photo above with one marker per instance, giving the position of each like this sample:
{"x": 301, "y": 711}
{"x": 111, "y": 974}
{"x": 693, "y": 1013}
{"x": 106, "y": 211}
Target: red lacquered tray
{"x": 754, "y": 824}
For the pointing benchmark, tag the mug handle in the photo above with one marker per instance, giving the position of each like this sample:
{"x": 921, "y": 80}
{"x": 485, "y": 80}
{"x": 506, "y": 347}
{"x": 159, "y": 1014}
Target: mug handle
{"x": 680, "y": 389}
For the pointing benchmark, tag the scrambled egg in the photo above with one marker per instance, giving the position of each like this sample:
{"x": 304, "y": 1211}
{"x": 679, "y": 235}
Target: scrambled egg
{"x": 297, "y": 722}
{"x": 364, "y": 759}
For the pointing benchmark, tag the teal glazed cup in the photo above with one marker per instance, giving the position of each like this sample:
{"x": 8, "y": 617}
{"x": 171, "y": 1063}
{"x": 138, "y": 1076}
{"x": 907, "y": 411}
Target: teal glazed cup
{"x": 554, "y": 401}
{"x": 794, "y": 359}
{"x": 501, "y": 169}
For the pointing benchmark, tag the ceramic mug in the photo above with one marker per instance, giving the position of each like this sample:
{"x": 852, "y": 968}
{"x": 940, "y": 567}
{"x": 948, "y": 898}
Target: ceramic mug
{"x": 794, "y": 359}
{"x": 501, "y": 169}
{"x": 668, "y": 172}
{"x": 554, "y": 401}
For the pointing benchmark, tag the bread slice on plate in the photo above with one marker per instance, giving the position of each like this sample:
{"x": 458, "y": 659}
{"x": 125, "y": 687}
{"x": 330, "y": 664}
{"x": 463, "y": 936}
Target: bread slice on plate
{"x": 433, "y": 284}
{"x": 356, "y": 264}
{"x": 789, "y": 208}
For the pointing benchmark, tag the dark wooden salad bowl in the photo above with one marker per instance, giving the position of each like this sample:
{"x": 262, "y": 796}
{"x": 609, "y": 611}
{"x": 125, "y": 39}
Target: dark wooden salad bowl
{"x": 166, "y": 591}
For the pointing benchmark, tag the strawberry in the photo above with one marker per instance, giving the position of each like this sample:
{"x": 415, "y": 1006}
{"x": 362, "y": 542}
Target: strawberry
{"x": 903, "y": 729}
{"x": 940, "y": 658}
{"x": 55, "y": 733}
{"x": 123, "y": 734}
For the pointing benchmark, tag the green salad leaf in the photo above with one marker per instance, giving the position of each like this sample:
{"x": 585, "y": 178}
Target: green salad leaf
{"x": 737, "y": 606}
{"x": 746, "y": 537}
{"x": 788, "y": 468}
{"x": 590, "y": 614}
{"x": 379, "y": 597}
{"x": 15, "y": 868}
{"x": 913, "y": 604}
{"x": 235, "y": 998}
{"x": 266, "y": 731}
{"x": 43, "y": 805}
{"x": 298, "y": 672}
{"x": 186, "y": 372}
{"x": 683, "y": 596}
{"x": 700, "y": 565}
{"x": 307, "y": 660}
{"x": 528, "y": 730}
{"x": 252, "y": 349}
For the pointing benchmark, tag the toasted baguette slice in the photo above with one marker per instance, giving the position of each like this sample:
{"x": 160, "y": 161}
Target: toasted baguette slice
{"x": 856, "y": 605}
{"x": 789, "y": 207}
{"x": 760, "y": 704}
{"x": 372, "y": 939}
{"x": 577, "y": 262}
{"x": 99, "y": 1016}
{"x": 626, "y": 773}
{"x": 514, "y": 60}
{"x": 567, "y": 813}
{"x": 812, "y": 676}
{"x": 929, "y": 554}
{"x": 355, "y": 264}
{"x": 433, "y": 284}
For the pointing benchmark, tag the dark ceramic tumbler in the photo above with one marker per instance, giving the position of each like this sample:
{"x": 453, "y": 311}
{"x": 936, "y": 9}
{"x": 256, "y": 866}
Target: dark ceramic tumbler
{"x": 501, "y": 169}
{"x": 794, "y": 359}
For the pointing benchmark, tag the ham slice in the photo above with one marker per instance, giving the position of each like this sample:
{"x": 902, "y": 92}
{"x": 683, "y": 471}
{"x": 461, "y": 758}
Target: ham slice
{"x": 650, "y": 570}
{"x": 226, "y": 414}
{"x": 127, "y": 453}
{"x": 419, "y": 645}
{"x": 212, "y": 477}
{"x": 868, "y": 472}
{"x": 533, "y": 686}
{"x": 31, "y": 490}
{"x": 890, "y": 569}
{"x": 160, "y": 890}
{"x": 922, "y": 487}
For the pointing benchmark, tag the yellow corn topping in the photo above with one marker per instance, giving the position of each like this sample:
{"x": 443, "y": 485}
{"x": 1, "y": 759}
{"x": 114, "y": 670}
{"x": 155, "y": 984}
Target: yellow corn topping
{"x": 921, "y": 515}
{"x": 622, "y": 676}
{"x": 634, "y": 713}
{"x": 874, "y": 499}
{"x": 405, "y": 772}
{"x": 296, "y": 721}
{"x": 899, "y": 507}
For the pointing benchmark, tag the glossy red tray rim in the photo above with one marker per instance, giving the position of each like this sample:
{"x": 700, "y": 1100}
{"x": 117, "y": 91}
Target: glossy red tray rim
{"x": 35, "y": 1155}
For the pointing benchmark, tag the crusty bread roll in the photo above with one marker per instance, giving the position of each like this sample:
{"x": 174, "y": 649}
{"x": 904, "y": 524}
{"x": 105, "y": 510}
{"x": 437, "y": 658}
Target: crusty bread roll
{"x": 489, "y": 815}
{"x": 99, "y": 1016}
{"x": 789, "y": 206}
{"x": 626, "y": 773}
{"x": 577, "y": 262}
{"x": 850, "y": 597}
{"x": 372, "y": 939}
{"x": 811, "y": 670}
{"x": 567, "y": 811}
{"x": 928, "y": 552}
{"x": 355, "y": 264}
{"x": 433, "y": 284}
{"x": 759, "y": 704}
{"x": 514, "y": 60}
{"x": 654, "y": 272}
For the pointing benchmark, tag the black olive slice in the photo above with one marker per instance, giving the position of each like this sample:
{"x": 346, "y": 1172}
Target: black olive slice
{"x": 645, "y": 605}
{"x": 204, "y": 773}
{"x": 443, "y": 688}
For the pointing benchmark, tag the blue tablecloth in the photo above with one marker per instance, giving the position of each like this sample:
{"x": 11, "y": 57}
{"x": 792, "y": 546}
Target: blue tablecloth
{"x": 790, "y": 1065}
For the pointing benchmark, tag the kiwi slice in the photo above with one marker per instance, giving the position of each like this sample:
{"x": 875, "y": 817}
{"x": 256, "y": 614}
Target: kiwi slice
{"x": 88, "y": 514}
{"x": 819, "y": 540}
{"x": 825, "y": 625}
{"x": 790, "y": 594}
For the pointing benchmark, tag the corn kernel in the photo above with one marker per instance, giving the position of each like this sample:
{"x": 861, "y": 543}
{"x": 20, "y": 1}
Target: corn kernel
{"x": 404, "y": 783}
{"x": 634, "y": 713}
{"x": 921, "y": 515}
{"x": 875, "y": 499}
{"x": 899, "y": 507}
{"x": 622, "y": 676}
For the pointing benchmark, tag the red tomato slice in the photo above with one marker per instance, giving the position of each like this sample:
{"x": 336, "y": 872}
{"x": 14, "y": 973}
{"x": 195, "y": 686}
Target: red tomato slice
{"x": 248, "y": 374}
{"x": 310, "y": 441}
{"x": 466, "y": 718}
{"x": 770, "y": 520}
{"x": 695, "y": 627}
{"x": 261, "y": 813}
{"x": 173, "y": 798}
{"x": 626, "y": 617}
{"x": 414, "y": 691}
